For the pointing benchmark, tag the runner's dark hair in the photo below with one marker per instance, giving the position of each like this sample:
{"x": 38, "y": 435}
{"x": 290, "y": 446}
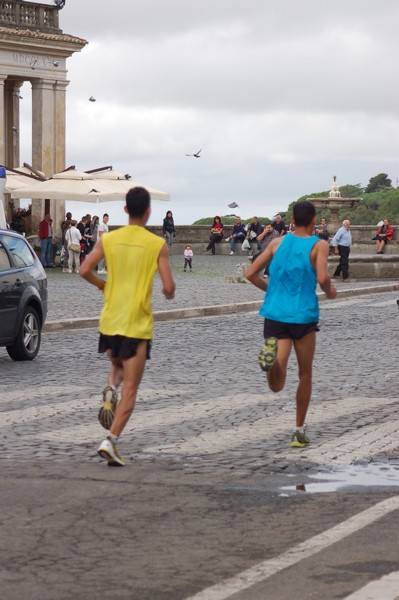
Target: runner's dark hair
{"x": 137, "y": 201}
{"x": 303, "y": 213}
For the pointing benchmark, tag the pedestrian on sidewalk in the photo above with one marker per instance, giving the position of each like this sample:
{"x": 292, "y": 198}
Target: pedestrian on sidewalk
{"x": 133, "y": 255}
{"x": 102, "y": 229}
{"x": 73, "y": 238}
{"x": 168, "y": 228}
{"x": 291, "y": 310}
{"x": 188, "y": 257}
{"x": 342, "y": 242}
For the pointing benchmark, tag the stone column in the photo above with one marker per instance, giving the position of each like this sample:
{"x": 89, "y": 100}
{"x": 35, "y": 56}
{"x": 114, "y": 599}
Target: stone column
{"x": 42, "y": 137}
{"x": 48, "y": 140}
{"x": 2, "y": 121}
{"x": 58, "y": 206}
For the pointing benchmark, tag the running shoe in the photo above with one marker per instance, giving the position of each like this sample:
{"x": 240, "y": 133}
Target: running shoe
{"x": 268, "y": 354}
{"x": 109, "y": 403}
{"x": 110, "y": 452}
{"x": 299, "y": 439}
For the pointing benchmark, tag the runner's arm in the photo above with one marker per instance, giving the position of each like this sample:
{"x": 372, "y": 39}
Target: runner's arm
{"x": 321, "y": 250}
{"x": 165, "y": 272}
{"x": 260, "y": 264}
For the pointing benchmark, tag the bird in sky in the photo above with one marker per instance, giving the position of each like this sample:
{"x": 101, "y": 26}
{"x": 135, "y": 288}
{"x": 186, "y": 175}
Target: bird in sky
{"x": 196, "y": 154}
{"x": 92, "y": 99}
{"x": 233, "y": 205}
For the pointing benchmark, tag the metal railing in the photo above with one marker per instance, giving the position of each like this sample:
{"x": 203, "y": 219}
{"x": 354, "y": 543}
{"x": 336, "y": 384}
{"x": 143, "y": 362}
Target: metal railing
{"x": 29, "y": 15}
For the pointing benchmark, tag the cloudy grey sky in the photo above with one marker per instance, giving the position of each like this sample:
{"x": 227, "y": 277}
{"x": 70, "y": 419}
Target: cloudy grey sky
{"x": 280, "y": 95}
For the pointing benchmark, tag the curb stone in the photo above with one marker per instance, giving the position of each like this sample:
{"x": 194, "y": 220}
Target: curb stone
{"x": 210, "y": 311}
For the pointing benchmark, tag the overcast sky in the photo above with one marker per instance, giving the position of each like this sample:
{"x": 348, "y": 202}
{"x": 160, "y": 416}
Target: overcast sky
{"x": 280, "y": 95}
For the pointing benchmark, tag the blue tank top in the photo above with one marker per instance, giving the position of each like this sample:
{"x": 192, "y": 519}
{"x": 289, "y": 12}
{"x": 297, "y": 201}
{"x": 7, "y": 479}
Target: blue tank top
{"x": 291, "y": 292}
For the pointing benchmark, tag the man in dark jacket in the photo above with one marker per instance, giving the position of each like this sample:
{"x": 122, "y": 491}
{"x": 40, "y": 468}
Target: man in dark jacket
{"x": 238, "y": 234}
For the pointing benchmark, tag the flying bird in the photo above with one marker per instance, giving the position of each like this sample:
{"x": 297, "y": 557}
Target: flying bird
{"x": 92, "y": 99}
{"x": 233, "y": 205}
{"x": 18, "y": 95}
{"x": 196, "y": 154}
{"x": 56, "y": 63}
{"x": 33, "y": 64}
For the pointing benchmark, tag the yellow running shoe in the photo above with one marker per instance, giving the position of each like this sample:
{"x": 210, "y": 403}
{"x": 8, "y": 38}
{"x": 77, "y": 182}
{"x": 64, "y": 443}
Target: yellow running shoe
{"x": 268, "y": 354}
{"x": 109, "y": 403}
{"x": 110, "y": 452}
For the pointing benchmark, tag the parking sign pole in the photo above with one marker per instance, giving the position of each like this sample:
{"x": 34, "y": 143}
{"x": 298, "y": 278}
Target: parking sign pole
{"x": 3, "y": 224}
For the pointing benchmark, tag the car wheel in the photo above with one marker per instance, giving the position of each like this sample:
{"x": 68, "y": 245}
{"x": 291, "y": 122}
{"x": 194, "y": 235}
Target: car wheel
{"x": 27, "y": 343}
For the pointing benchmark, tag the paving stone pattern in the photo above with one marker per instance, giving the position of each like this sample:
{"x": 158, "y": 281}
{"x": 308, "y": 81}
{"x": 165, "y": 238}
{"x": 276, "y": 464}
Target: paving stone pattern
{"x": 70, "y": 297}
{"x": 204, "y": 405}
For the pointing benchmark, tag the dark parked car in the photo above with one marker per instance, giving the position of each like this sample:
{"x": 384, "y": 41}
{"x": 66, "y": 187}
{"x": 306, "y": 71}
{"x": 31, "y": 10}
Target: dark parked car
{"x": 23, "y": 297}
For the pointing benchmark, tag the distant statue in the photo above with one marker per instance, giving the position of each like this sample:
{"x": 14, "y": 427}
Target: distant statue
{"x": 335, "y": 193}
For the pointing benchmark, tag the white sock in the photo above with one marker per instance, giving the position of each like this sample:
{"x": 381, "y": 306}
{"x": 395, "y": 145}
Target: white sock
{"x": 112, "y": 437}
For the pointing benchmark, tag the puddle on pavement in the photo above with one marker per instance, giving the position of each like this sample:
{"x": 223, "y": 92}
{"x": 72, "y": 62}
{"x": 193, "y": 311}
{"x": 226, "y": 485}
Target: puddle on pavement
{"x": 352, "y": 476}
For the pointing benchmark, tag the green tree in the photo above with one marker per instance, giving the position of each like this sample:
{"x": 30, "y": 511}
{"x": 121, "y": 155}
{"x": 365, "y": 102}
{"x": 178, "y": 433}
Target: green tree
{"x": 377, "y": 183}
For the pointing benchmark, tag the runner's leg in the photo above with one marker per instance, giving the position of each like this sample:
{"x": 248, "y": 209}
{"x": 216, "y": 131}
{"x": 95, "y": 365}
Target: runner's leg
{"x": 133, "y": 369}
{"x": 304, "y": 349}
{"x": 115, "y": 375}
{"x": 276, "y": 376}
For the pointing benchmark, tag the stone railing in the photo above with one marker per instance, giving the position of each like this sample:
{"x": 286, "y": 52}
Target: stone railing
{"x": 29, "y": 15}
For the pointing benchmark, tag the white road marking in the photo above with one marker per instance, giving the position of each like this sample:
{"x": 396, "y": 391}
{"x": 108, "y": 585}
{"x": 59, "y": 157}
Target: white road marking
{"x": 266, "y": 569}
{"x": 386, "y": 588}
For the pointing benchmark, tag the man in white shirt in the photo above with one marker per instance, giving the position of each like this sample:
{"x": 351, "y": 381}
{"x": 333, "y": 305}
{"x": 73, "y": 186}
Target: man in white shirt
{"x": 103, "y": 228}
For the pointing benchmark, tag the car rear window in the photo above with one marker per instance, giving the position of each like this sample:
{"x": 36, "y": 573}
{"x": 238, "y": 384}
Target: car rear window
{"x": 19, "y": 249}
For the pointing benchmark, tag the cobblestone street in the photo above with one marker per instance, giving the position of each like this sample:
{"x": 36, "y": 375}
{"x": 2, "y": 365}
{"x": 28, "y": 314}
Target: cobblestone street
{"x": 207, "y": 451}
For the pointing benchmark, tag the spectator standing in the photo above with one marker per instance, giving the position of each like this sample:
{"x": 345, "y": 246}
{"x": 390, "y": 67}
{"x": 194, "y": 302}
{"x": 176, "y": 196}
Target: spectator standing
{"x": 168, "y": 228}
{"x": 384, "y": 235}
{"x": 188, "y": 257}
{"x": 65, "y": 225}
{"x": 46, "y": 239}
{"x": 94, "y": 230}
{"x": 216, "y": 235}
{"x": 103, "y": 228}
{"x": 73, "y": 238}
{"x": 65, "y": 251}
{"x": 279, "y": 225}
{"x": 238, "y": 234}
{"x": 322, "y": 230}
{"x": 342, "y": 242}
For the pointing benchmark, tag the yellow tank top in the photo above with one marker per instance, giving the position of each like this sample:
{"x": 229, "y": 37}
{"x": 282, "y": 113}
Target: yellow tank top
{"x": 131, "y": 255}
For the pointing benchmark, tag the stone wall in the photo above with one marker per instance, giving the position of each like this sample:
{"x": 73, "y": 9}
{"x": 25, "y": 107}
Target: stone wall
{"x": 198, "y": 236}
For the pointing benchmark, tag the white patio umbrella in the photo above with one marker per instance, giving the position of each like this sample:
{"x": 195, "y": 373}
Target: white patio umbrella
{"x": 86, "y": 187}
{"x": 17, "y": 178}
{"x": 118, "y": 185}
{"x": 67, "y": 185}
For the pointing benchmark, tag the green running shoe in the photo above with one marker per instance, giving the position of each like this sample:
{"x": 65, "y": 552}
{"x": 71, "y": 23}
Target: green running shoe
{"x": 268, "y": 354}
{"x": 299, "y": 440}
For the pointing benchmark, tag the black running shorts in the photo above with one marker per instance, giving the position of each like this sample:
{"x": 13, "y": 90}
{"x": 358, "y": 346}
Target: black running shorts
{"x": 288, "y": 331}
{"x": 121, "y": 347}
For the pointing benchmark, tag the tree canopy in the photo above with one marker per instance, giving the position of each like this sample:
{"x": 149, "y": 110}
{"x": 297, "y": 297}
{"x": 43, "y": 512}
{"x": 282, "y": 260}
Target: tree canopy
{"x": 377, "y": 183}
{"x": 379, "y": 200}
